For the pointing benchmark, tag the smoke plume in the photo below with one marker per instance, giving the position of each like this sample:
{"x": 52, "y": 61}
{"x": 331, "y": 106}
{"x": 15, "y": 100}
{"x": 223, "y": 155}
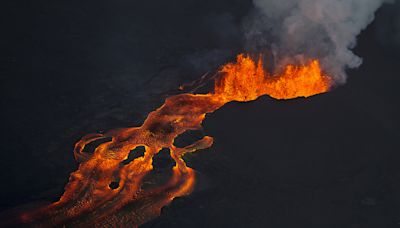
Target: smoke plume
{"x": 296, "y": 30}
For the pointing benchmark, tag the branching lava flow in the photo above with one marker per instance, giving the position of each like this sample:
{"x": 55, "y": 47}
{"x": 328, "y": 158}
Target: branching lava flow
{"x": 89, "y": 200}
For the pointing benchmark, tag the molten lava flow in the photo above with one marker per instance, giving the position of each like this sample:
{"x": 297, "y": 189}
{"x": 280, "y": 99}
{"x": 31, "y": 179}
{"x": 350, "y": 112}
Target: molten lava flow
{"x": 88, "y": 198}
{"x": 246, "y": 81}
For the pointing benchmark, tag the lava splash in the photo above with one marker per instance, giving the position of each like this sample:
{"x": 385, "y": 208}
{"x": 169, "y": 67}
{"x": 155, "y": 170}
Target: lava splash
{"x": 89, "y": 200}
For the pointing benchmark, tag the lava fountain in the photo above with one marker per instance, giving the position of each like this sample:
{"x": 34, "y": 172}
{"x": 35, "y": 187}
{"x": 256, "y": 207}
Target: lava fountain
{"x": 89, "y": 200}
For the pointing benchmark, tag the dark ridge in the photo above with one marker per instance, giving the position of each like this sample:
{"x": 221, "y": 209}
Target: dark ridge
{"x": 163, "y": 160}
{"x": 188, "y": 138}
{"x": 91, "y": 147}
{"x": 135, "y": 153}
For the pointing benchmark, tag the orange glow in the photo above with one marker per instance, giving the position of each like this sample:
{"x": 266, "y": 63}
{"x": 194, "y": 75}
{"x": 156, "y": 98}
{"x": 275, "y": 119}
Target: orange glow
{"x": 245, "y": 81}
{"x": 88, "y": 198}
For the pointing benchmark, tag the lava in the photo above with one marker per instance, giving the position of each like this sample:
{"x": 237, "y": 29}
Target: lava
{"x": 89, "y": 200}
{"x": 245, "y": 81}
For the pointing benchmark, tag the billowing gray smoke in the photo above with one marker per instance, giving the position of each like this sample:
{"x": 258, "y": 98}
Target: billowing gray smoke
{"x": 297, "y": 30}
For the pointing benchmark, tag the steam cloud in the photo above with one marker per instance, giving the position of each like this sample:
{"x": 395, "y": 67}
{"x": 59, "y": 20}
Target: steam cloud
{"x": 297, "y": 30}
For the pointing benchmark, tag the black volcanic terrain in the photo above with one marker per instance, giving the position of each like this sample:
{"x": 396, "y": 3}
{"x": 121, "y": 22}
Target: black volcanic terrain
{"x": 73, "y": 68}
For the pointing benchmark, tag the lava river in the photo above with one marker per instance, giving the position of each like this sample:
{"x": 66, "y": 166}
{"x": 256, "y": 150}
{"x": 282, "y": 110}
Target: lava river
{"x": 89, "y": 200}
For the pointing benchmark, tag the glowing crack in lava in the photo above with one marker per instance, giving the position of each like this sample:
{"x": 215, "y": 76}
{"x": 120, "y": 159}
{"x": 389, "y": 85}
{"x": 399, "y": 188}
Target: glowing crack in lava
{"x": 89, "y": 200}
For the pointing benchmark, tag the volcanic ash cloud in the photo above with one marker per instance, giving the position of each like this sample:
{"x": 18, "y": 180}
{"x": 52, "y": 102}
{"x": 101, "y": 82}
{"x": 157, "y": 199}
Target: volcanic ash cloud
{"x": 297, "y": 30}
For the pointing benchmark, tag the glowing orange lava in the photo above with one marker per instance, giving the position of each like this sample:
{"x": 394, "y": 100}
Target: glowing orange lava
{"x": 89, "y": 200}
{"x": 245, "y": 81}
